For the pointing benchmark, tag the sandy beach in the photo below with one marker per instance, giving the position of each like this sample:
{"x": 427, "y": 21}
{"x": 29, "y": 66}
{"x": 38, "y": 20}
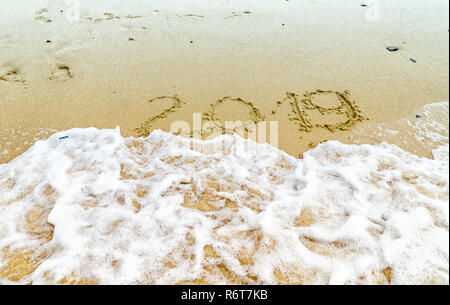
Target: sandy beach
{"x": 86, "y": 73}
{"x": 321, "y": 70}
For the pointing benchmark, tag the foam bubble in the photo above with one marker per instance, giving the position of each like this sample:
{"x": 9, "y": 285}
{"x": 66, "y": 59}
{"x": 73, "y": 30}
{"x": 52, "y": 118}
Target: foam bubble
{"x": 89, "y": 206}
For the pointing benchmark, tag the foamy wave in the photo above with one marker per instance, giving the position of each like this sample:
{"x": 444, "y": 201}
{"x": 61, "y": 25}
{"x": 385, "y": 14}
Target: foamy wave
{"x": 419, "y": 134}
{"x": 88, "y": 206}
{"x": 433, "y": 124}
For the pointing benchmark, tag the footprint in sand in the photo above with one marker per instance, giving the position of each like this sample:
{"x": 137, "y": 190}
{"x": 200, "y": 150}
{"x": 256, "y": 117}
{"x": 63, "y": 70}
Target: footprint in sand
{"x": 61, "y": 73}
{"x": 12, "y": 74}
{"x": 238, "y": 14}
{"x": 107, "y": 16}
{"x": 192, "y": 15}
{"x": 41, "y": 11}
{"x": 111, "y": 16}
{"x": 40, "y": 18}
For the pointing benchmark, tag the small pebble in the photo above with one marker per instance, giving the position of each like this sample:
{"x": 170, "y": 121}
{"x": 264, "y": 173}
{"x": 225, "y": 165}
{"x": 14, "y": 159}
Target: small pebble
{"x": 392, "y": 48}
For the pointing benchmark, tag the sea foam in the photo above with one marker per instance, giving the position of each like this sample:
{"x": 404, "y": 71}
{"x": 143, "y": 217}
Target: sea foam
{"x": 89, "y": 206}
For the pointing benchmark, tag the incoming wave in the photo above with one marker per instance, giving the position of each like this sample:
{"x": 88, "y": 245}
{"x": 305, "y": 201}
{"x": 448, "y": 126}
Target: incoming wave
{"x": 87, "y": 206}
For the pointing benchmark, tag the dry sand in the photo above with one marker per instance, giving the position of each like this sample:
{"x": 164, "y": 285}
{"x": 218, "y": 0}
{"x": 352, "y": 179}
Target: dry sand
{"x": 102, "y": 70}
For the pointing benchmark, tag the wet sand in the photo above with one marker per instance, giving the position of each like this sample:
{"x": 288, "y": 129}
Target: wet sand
{"x": 104, "y": 69}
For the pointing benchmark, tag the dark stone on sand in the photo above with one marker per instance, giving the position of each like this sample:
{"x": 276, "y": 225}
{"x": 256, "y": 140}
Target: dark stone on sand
{"x": 392, "y": 48}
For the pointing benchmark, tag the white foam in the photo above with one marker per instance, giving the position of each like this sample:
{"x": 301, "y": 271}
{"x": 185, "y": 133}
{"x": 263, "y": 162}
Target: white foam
{"x": 421, "y": 133}
{"x": 365, "y": 209}
{"x": 433, "y": 123}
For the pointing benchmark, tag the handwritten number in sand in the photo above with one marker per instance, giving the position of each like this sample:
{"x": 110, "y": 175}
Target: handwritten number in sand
{"x": 212, "y": 116}
{"x": 145, "y": 128}
{"x": 345, "y": 107}
{"x": 300, "y": 105}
